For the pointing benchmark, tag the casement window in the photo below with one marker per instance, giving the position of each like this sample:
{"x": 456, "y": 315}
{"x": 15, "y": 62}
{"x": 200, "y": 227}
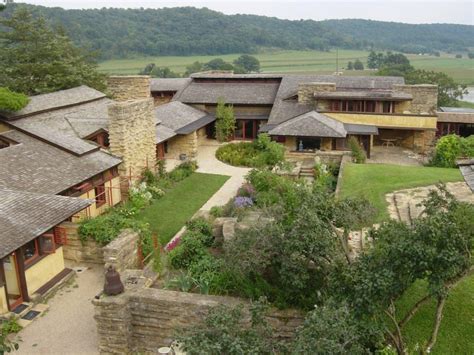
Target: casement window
{"x": 100, "y": 195}
{"x": 31, "y": 251}
{"x": 47, "y": 243}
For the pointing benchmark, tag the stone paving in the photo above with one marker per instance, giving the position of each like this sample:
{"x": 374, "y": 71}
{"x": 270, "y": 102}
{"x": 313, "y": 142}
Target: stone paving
{"x": 208, "y": 163}
{"x": 68, "y": 327}
{"x": 394, "y": 156}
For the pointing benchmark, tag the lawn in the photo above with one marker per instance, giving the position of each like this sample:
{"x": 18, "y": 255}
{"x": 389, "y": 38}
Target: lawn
{"x": 167, "y": 215}
{"x": 300, "y": 62}
{"x": 457, "y": 326}
{"x": 373, "y": 181}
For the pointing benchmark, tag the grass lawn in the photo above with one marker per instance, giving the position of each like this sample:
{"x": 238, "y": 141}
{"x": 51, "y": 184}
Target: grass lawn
{"x": 373, "y": 181}
{"x": 300, "y": 62}
{"x": 457, "y": 326}
{"x": 167, "y": 215}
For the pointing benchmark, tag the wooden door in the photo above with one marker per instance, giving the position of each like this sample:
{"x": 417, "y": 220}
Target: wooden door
{"x": 13, "y": 285}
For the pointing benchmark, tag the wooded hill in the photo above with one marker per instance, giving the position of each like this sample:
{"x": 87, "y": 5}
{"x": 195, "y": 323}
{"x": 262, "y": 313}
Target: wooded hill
{"x": 121, "y": 33}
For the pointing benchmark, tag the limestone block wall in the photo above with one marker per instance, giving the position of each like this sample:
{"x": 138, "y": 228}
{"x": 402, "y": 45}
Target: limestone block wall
{"x": 423, "y": 141}
{"x": 132, "y": 135}
{"x": 306, "y": 91}
{"x": 425, "y": 99}
{"x": 122, "y": 252}
{"x": 183, "y": 144}
{"x": 145, "y": 319}
{"x": 129, "y": 87}
{"x": 78, "y": 251}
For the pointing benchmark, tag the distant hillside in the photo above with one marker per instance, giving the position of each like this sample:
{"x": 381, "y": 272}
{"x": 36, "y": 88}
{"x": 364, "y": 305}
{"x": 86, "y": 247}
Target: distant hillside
{"x": 121, "y": 33}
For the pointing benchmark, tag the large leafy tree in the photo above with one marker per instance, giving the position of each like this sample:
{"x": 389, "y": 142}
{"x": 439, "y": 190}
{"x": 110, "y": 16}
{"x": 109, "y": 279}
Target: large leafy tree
{"x": 248, "y": 63}
{"x": 36, "y": 58}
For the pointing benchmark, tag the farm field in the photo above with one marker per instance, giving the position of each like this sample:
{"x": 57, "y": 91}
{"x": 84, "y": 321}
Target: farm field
{"x": 301, "y": 62}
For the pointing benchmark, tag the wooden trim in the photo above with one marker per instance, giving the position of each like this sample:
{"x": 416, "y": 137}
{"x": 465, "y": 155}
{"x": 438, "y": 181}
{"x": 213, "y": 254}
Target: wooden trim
{"x": 20, "y": 264}
{"x": 48, "y": 285}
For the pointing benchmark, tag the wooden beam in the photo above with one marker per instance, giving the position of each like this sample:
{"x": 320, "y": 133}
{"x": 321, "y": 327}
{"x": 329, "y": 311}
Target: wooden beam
{"x": 20, "y": 261}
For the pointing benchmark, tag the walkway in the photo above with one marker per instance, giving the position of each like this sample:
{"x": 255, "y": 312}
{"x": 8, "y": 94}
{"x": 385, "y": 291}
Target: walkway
{"x": 208, "y": 163}
{"x": 394, "y": 156}
{"x": 68, "y": 327}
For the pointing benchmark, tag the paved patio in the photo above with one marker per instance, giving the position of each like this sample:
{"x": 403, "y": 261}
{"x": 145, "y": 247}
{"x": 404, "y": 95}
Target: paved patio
{"x": 68, "y": 327}
{"x": 394, "y": 156}
{"x": 208, "y": 163}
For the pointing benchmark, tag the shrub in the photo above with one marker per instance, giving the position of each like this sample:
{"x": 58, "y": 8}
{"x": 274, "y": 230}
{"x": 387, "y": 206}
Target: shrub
{"x": 183, "y": 170}
{"x": 12, "y": 101}
{"x": 243, "y": 202}
{"x": 201, "y": 226}
{"x": 225, "y": 121}
{"x": 246, "y": 190}
{"x": 447, "y": 149}
{"x": 217, "y": 211}
{"x": 190, "y": 249}
{"x": 358, "y": 153}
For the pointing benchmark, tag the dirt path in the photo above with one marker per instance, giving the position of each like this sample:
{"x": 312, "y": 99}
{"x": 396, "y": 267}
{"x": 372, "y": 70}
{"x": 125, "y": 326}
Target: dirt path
{"x": 68, "y": 327}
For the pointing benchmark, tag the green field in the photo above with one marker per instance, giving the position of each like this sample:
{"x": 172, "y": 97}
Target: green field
{"x": 300, "y": 62}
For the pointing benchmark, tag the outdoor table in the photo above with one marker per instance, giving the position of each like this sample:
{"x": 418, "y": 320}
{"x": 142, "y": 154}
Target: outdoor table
{"x": 387, "y": 142}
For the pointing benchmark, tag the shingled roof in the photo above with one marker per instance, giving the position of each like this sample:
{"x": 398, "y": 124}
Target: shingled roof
{"x": 244, "y": 93}
{"x": 56, "y": 100}
{"x": 25, "y": 216}
{"x": 310, "y": 124}
{"x": 37, "y": 166}
{"x": 467, "y": 170}
{"x": 168, "y": 84}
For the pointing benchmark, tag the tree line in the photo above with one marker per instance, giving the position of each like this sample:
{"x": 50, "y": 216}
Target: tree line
{"x": 121, "y": 33}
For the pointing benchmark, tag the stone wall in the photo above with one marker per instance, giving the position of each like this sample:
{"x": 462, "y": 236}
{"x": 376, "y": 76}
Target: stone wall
{"x": 130, "y": 87}
{"x": 306, "y": 91}
{"x": 122, "y": 252}
{"x": 132, "y": 136}
{"x": 423, "y": 141}
{"x": 145, "y": 319}
{"x": 76, "y": 250}
{"x": 183, "y": 144}
{"x": 326, "y": 157}
{"x": 425, "y": 99}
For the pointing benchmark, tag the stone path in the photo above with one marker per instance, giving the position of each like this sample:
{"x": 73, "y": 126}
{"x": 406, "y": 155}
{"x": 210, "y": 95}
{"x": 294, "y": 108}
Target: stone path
{"x": 403, "y": 204}
{"x": 394, "y": 156}
{"x": 208, "y": 163}
{"x": 68, "y": 327}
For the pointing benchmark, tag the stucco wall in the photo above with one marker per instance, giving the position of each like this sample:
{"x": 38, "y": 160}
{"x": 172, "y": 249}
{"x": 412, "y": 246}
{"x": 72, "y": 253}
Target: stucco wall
{"x": 386, "y": 121}
{"x": 146, "y": 319}
{"x": 3, "y": 301}
{"x": 44, "y": 270}
{"x": 11, "y": 278}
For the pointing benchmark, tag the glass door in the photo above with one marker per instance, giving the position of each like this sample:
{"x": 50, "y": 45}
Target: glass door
{"x": 12, "y": 281}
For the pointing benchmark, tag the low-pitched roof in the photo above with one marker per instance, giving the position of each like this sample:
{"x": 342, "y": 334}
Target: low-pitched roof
{"x": 456, "y": 116}
{"x": 456, "y": 109}
{"x": 163, "y": 133}
{"x": 244, "y": 93}
{"x": 176, "y": 115}
{"x": 364, "y": 94}
{"x": 56, "y": 100}
{"x": 311, "y": 124}
{"x": 168, "y": 84}
{"x": 37, "y": 166}
{"x": 26, "y": 215}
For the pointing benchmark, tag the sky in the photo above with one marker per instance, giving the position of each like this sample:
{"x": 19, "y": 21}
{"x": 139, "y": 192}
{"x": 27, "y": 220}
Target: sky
{"x": 414, "y": 11}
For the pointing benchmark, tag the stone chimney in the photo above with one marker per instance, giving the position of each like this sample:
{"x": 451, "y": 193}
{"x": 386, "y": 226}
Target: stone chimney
{"x": 425, "y": 99}
{"x": 306, "y": 91}
{"x": 132, "y": 124}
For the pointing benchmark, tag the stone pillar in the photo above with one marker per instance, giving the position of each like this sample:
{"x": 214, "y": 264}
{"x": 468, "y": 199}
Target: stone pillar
{"x": 130, "y": 87}
{"x": 425, "y": 98}
{"x": 306, "y": 91}
{"x": 132, "y": 136}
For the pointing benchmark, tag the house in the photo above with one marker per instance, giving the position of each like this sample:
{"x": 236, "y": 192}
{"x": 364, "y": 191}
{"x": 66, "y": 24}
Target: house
{"x": 308, "y": 112}
{"x": 457, "y": 120}
{"x": 31, "y": 251}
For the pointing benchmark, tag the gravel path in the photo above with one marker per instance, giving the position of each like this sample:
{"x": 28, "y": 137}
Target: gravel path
{"x": 208, "y": 163}
{"x": 68, "y": 327}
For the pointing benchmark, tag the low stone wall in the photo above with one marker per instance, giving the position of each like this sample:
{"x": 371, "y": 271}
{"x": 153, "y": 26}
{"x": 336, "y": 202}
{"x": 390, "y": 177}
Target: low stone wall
{"x": 345, "y": 159}
{"x": 183, "y": 144}
{"x": 122, "y": 252}
{"x": 78, "y": 251}
{"x": 326, "y": 157}
{"x": 145, "y": 319}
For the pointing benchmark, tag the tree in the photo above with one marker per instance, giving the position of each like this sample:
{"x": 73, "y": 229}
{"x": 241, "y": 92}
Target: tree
{"x": 470, "y": 55}
{"x": 217, "y": 64}
{"x": 12, "y": 101}
{"x": 225, "y": 121}
{"x": 350, "y": 66}
{"x": 193, "y": 68}
{"x": 449, "y": 92}
{"x": 358, "y": 65}
{"x": 248, "y": 63}
{"x": 458, "y": 56}
{"x": 36, "y": 59}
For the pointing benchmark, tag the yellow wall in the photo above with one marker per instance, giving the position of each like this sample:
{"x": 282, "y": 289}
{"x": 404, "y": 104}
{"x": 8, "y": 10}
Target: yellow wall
{"x": 3, "y": 301}
{"x": 11, "y": 277}
{"x": 396, "y": 121}
{"x": 4, "y": 127}
{"x": 44, "y": 270}
{"x": 93, "y": 211}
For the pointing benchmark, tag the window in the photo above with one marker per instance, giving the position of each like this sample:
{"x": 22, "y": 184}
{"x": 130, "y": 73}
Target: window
{"x": 47, "y": 244}
{"x": 100, "y": 196}
{"x": 31, "y": 251}
{"x": 308, "y": 144}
